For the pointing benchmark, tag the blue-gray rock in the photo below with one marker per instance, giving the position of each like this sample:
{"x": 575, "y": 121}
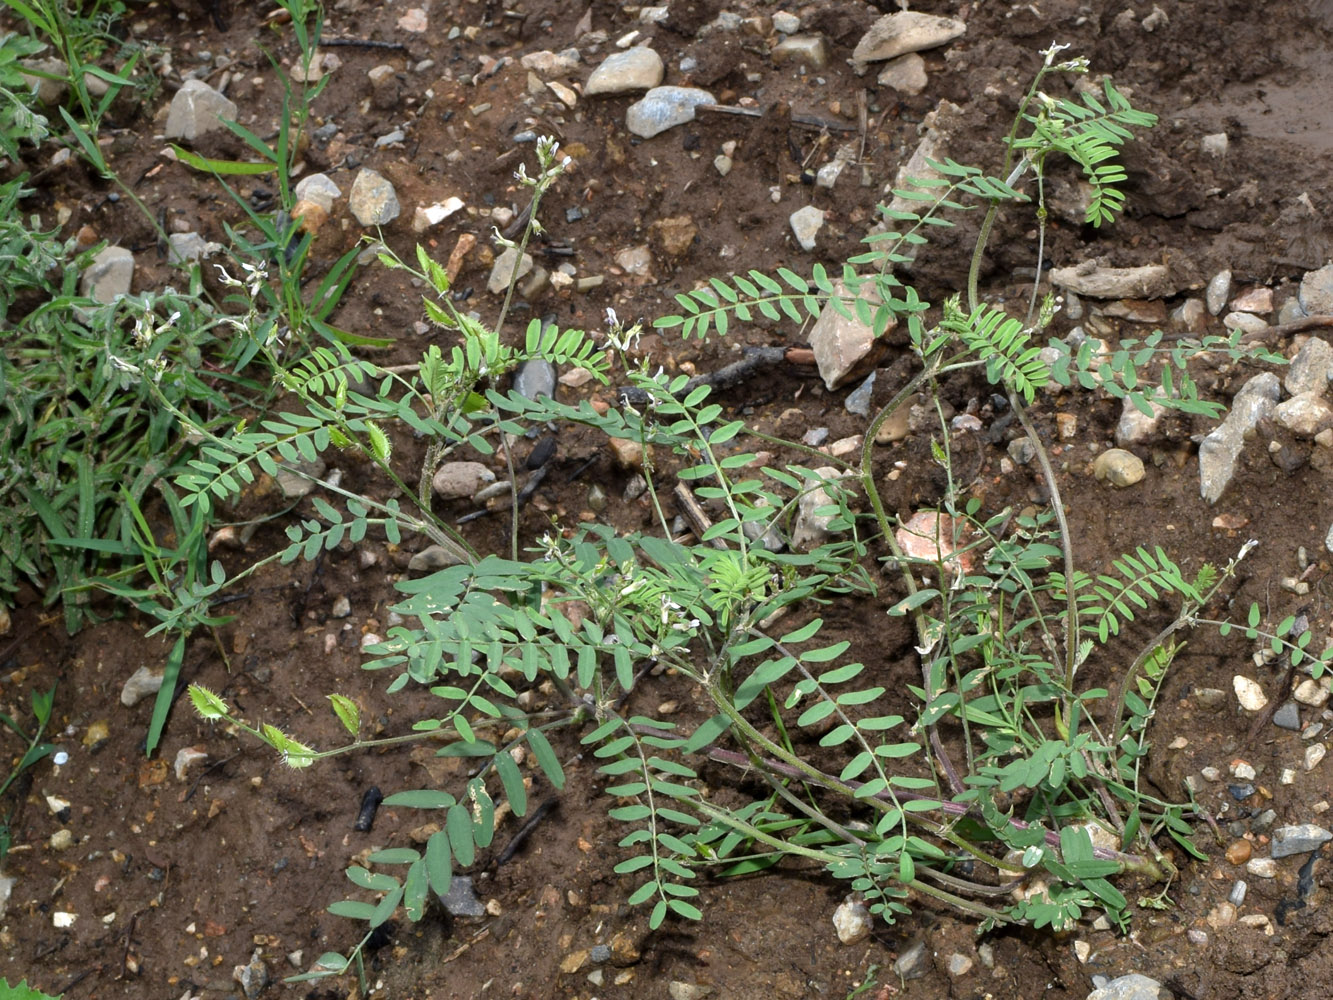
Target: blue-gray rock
{"x": 460, "y": 900}
{"x": 1288, "y": 716}
{"x": 1221, "y": 449}
{"x": 1316, "y": 293}
{"x": 1131, "y": 987}
{"x": 188, "y": 248}
{"x": 913, "y": 963}
{"x": 535, "y": 378}
{"x": 196, "y": 109}
{"x": 1237, "y": 895}
{"x": 600, "y": 953}
{"x": 1300, "y": 839}
{"x": 1311, "y": 368}
{"x": 858, "y": 402}
{"x": 109, "y": 275}
{"x": 663, "y": 108}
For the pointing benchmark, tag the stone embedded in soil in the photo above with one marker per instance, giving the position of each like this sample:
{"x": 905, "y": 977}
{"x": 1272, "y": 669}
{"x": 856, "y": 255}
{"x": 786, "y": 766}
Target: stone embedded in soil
{"x": 1219, "y": 288}
{"x": 535, "y": 378}
{"x": 676, "y": 234}
{"x": 1221, "y": 449}
{"x": 297, "y": 479}
{"x": 858, "y": 400}
{"x": 1118, "y": 467}
{"x": 1312, "y": 692}
{"x": 913, "y": 963}
{"x": 253, "y": 976}
{"x": 461, "y": 901}
{"x": 1304, "y": 415}
{"x": 639, "y": 68}
{"x": 431, "y": 559}
{"x": 1311, "y": 368}
{"x": 1238, "y": 852}
{"x": 1288, "y": 716}
{"x": 1299, "y": 839}
{"x": 803, "y": 50}
{"x": 1093, "y": 281}
{"x": 457, "y": 480}
{"x": 805, "y": 225}
{"x": 959, "y": 964}
{"x": 812, "y": 530}
{"x": 318, "y": 188}
{"x": 373, "y": 200}
{"x": 902, "y": 32}
{"x": 1254, "y": 300}
{"x": 197, "y": 109}
{"x": 49, "y": 87}
{"x": 663, "y": 108}
{"x": 852, "y": 921}
{"x": 108, "y": 276}
{"x": 1135, "y": 426}
{"x": 844, "y": 347}
{"x": 186, "y": 758}
{"x": 1314, "y": 753}
{"x": 502, "y": 271}
{"x": 637, "y": 261}
{"x": 785, "y": 22}
{"x": 933, "y": 536}
{"x": 1250, "y": 695}
{"x": 139, "y": 686}
{"x": 426, "y": 216}
{"x": 1316, "y": 294}
{"x": 933, "y": 146}
{"x": 678, "y": 989}
{"x": 1136, "y": 986}
{"x": 1246, "y": 322}
{"x": 905, "y": 74}
{"x": 7, "y": 883}
{"x": 184, "y": 249}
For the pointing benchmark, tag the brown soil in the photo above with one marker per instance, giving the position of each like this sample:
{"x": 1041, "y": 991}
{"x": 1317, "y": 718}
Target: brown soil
{"x": 176, "y": 882}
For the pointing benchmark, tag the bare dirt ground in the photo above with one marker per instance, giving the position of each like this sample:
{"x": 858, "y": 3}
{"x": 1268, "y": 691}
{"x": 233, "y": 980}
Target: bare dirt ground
{"x": 176, "y": 882}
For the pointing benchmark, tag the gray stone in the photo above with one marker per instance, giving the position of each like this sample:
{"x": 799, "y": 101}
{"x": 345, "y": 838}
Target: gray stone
{"x": 1311, "y": 368}
{"x": 455, "y": 480}
{"x": 1190, "y": 314}
{"x": 913, "y": 963}
{"x": 373, "y": 200}
{"x": 902, "y": 32}
{"x": 108, "y": 276}
{"x": 296, "y": 480}
{"x": 1247, "y": 322}
{"x": 841, "y": 345}
{"x": 1219, "y": 289}
{"x": 253, "y": 976}
{"x": 1131, "y": 987}
{"x": 906, "y": 74}
{"x": 318, "y": 188}
{"x": 663, "y": 108}
{"x": 806, "y": 50}
{"x": 858, "y": 401}
{"x": 639, "y": 68}
{"x": 502, "y": 271}
{"x": 933, "y": 146}
{"x": 1214, "y": 144}
{"x": 678, "y": 989}
{"x": 1135, "y": 426}
{"x": 50, "y": 86}
{"x": 460, "y": 900}
{"x": 959, "y": 964}
{"x": 786, "y": 23}
{"x": 1288, "y": 716}
{"x": 1288, "y": 840}
{"x": 1237, "y": 895}
{"x": 1291, "y": 310}
{"x": 196, "y": 109}
{"x": 188, "y": 248}
{"x": 1316, "y": 293}
{"x": 1118, "y": 467}
{"x": 1021, "y": 450}
{"x": 1221, "y": 449}
{"x": 535, "y": 378}
{"x": 1304, "y": 415}
{"x": 1093, "y": 281}
{"x": 805, "y": 225}
{"x": 852, "y": 921}
{"x": 432, "y": 559}
{"x": 812, "y": 530}
{"x": 139, "y": 686}
{"x": 342, "y": 607}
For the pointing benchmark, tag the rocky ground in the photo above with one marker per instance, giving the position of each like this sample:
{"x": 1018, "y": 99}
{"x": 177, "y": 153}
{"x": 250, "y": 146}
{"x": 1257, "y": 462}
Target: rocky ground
{"x": 768, "y": 136}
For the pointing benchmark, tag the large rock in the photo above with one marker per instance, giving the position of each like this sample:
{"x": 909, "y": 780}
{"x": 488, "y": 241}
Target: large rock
{"x": 1090, "y": 279}
{"x": 663, "y": 108}
{"x": 456, "y": 480}
{"x": 844, "y": 347}
{"x": 1222, "y": 447}
{"x": 1311, "y": 367}
{"x": 639, "y": 68}
{"x": 1317, "y": 291}
{"x": 196, "y": 109}
{"x": 902, "y": 32}
{"x": 109, "y": 275}
{"x": 373, "y": 200}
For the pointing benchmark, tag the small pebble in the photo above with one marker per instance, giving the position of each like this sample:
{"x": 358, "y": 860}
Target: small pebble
{"x": 852, "y": 921}
{"x": 1250, "y": 695}
{"x": 1314, "y": 753}
{"x": 1239, "y": 852}
{"x": 1262, "y": 867}
{"x": 1288, "y": 716}
{"x": 1243, "y": 770}
{"x": 1237, "y": 894}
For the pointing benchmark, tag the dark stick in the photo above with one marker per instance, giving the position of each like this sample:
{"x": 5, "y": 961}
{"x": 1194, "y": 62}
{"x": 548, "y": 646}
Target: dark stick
{"x": 363, "y": 43}
{"x": 525, "y": 831}
{"x": 370, "y": 804}
{"x": 754, "y": 361}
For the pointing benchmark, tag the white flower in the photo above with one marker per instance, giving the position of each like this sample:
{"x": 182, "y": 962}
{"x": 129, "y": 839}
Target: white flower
{"x": 1055, "y": 49}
